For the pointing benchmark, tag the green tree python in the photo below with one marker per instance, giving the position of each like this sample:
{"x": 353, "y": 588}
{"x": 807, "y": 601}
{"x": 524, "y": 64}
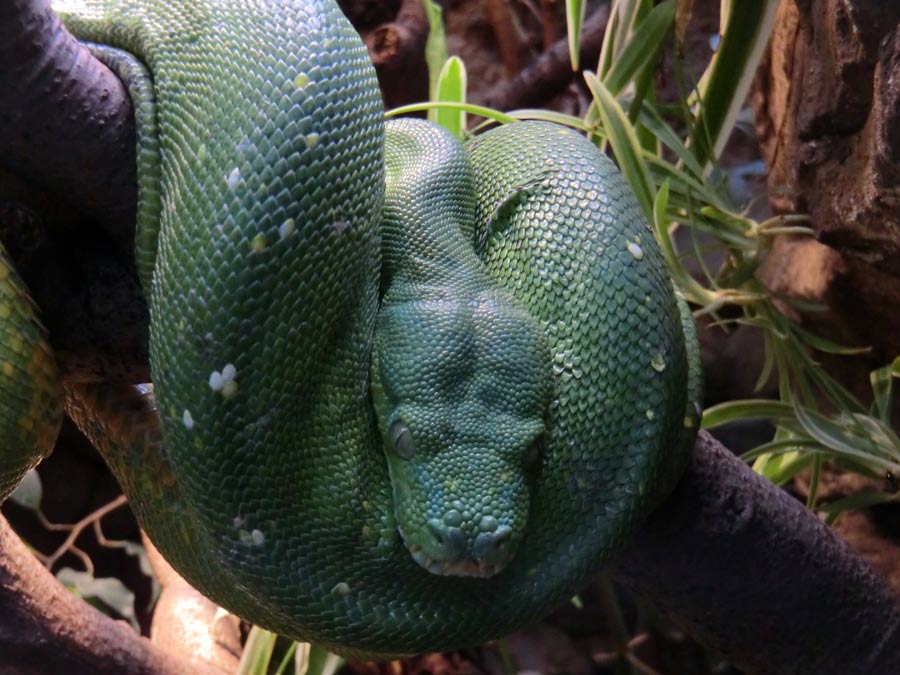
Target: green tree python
{"x": 412, "y": 394}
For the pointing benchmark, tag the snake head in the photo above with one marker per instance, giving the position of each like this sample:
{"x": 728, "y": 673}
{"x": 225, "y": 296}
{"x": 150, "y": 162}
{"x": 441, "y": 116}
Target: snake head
{"x": 460, "y": 390}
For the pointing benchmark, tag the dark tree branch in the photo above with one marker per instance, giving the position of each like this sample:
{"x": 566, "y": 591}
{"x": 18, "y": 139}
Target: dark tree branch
{"x": 396, "y": 37}
{"x": 46, "y": 630}
{"x": 729, "y": 556}
{"x": 510, "y": 38}
{"x": 60, "y": 111}
{"x": 748, "y": 570}
{"x": 551, "y": 72}
{"x": 67, "y": 148}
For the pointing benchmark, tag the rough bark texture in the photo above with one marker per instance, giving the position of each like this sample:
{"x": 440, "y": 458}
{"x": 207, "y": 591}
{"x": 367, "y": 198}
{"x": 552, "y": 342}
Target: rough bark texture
{"x": 828, "y": 116}
{"x": 745, "y": 568}
{"x": 46, "y": 630}
{"x": 729, "y": 556}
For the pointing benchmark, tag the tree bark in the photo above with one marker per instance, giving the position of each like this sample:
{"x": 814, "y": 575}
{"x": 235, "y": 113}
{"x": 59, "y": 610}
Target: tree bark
{"x": 729, "y": 556}
{"x": 186, "y": 622}
{"x": 46, "y": 630}
{"x": 827, "y": 104}
{"x": 746, "y": 569}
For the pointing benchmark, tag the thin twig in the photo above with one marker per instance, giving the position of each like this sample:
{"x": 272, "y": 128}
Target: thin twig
{"x": 77, "y": 528}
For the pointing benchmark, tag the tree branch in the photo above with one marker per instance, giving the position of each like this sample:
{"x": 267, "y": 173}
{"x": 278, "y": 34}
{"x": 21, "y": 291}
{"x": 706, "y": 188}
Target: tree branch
{"x": 395, "y": 34}
{"x": 46, "y": 630}
{"x": 186, "y": 622}
{"x": 748, "y": 570}
{"x": 551, "y": 72}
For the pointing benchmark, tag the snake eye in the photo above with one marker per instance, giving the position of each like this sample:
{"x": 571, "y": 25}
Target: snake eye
{"x": 402, "y": 439}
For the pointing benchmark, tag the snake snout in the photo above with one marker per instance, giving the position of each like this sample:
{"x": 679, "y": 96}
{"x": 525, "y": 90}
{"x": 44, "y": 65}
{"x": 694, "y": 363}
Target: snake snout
{"x": 448, "y": 551}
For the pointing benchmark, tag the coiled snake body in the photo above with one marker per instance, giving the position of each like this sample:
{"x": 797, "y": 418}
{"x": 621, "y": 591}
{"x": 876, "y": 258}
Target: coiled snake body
{"x": 402, "y": 409}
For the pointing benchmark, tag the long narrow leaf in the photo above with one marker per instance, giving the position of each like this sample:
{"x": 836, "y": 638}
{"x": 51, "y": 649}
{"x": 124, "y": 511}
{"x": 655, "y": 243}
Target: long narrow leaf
{"x": 435, "y": 45}
{"x": 490, "y": 113}
{"x": 724, "y": 86}
{"x": 608, "y": 47}
{"x": 550, "y": 116}
{"x": 624, "y": 144}
{"x": 451, "y": 87}
{"x": 643, "y": 49}
{"x": 857, "y": 502}
{"x": 257, "y": 652}
{"x": 882, "y": 381}
{"x": 316, "y": 660}
{"x": 832, "y": 437}
{"x": 746, "y": 409}
{"x": 574, "y": 20}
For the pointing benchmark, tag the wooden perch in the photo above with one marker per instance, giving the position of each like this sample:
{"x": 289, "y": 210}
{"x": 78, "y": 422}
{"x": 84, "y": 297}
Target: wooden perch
{"x": 45, "y": 629}
{"x": 729, "y": 556}
{"x": 746, "y": 569}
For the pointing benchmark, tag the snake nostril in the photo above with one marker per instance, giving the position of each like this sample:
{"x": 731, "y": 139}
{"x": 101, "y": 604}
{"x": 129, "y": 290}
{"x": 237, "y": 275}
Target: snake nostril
{"x": 449, "y": 540}
{"x": 438, "y": 531}
{"x": 493, "y": 547}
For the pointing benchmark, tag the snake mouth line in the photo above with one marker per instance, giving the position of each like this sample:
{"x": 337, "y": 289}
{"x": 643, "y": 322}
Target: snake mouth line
{"x": 462, "y": 567}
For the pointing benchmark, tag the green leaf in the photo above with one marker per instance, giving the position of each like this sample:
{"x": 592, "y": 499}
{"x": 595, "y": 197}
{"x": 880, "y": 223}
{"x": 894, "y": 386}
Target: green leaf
{"x": 608, "y": 47}
{"x": 257, "y": 652}
{"x": 29, "y": 493}
{"x": 745, "y": 409}
{"x": 550, "y": 116}
{"x": 745, "y": 29}
{"x": 852, "y": 446}
{"x": 574, "y": 20}
{"x": 316, "y": 660}
{"x": 857, "y": 502}
{"x": 651, "y": 119}
{"x": 489, "y": 113}
{"x": 624, "y": 144}
{"x": 882, "y": 381}
{"x": 779, "y": 469}
{"x": 827, "y": 346}
{"x": 644, "y": 49}
{"x": 451, "y": 87}
{"x": 435, "y": 45}
{"x": 289, "y": 655}
{"x": 108, "y": 591}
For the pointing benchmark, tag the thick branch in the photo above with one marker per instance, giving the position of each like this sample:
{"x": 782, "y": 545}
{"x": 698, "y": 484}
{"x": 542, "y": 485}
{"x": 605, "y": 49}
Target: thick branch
{"x": 60, "y": 111}
{"x": 63, "y": 111}
{"x": 187, "y": 622}
{"x": 46, "y": 629}
{"x": 747, "y": 570}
